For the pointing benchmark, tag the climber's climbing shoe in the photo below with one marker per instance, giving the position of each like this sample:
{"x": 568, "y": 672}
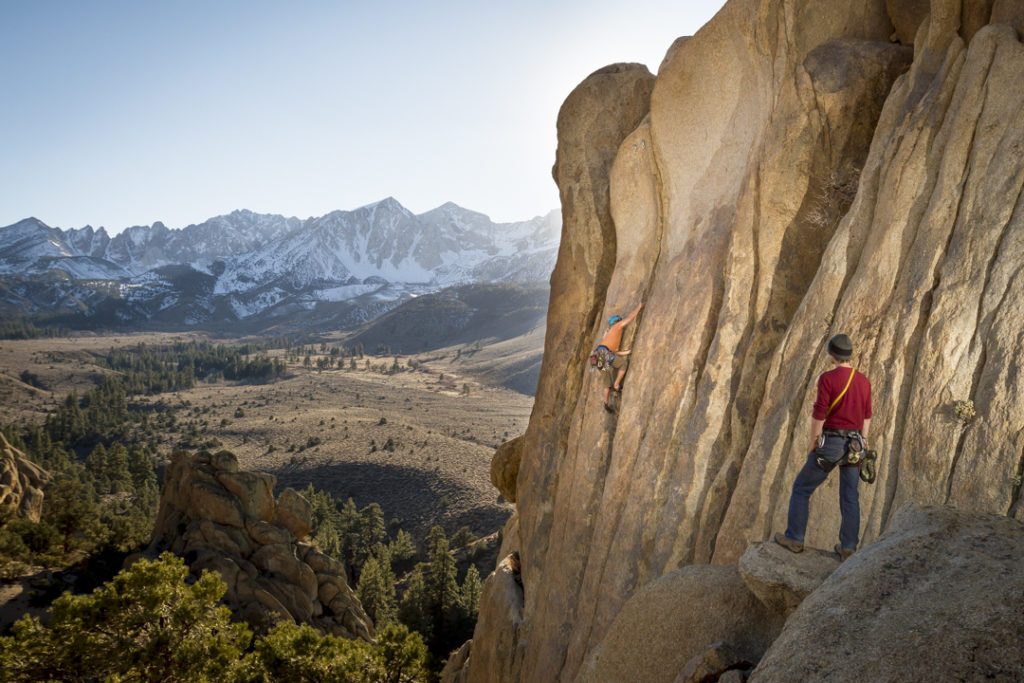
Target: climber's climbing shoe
{"x": 843, "y": 553}
{"x": 789, "y": 544}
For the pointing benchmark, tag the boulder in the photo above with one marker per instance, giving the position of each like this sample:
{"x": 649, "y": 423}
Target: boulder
{"x": 291, "y": 596}
{"x": 324, "y": 564}
{"x": 208, "y": 501}
{"x": 711, "y": 664}
{"x": 229, "y": 540}
{"x": 936, "y": 597}
{"x": 254, "y": 490}
{"x": 328, "y": 588}
{"x": 673, "y": 619}
{"x": 781, "y": 579}
{"x": 294, "y": 513}
{"x": 267, "y": 599}
{"x": 265, "y": 533}
{"x": 505, "y": 467}
{"x": 224, "y": 461}
{"x": 279, "y": 559}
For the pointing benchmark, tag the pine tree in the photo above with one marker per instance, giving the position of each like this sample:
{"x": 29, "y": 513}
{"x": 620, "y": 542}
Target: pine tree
{"x": 96, "y": 465}
{"x": 372, "y": 532}
{"x": 349, "y": 524}
{"x": 414, "y": 610}
{"x": 442, "y": 591}
{"x": 376, "y": 589}
{"x": 470, "y": 594}
{"x": 69, "y": 508}
{"x": 402, "y": 548}
{"x": 140, "y": 465}
{"x": 116, "y": 470}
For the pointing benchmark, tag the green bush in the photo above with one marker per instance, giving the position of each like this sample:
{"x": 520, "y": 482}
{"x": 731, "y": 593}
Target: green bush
{"x": 301, "y": 653}
{"x": 151, "y": 624}
{"x": 148, "y": 624}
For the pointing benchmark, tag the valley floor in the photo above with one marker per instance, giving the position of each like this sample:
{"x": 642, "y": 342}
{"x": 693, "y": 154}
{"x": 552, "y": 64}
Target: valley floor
{"x": 418, "y": 442}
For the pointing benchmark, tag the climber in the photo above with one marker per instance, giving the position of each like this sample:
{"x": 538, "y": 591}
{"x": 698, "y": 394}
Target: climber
{"x": 840, "y": 421}
{"x": 608, "y": 354}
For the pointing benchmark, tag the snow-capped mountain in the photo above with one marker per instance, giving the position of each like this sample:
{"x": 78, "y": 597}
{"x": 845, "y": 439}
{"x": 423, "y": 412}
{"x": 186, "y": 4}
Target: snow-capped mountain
{"x": 245, "y": 265}
{"x": 387, "y": 241}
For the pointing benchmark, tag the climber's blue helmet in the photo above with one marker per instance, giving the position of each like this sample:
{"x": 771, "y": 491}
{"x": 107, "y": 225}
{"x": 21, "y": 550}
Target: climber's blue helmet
{"x": 614, "y": 319}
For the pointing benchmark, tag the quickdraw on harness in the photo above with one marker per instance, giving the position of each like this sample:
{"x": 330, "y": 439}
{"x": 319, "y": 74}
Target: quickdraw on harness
{"x": 602, "y": 358}
{"x": 856, "y": 452}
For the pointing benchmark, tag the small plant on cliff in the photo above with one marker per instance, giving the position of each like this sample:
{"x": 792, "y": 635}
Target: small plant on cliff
{"x": 964, "y": 410}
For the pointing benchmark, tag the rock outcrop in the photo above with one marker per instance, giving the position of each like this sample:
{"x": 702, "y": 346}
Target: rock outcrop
{"x": 796, "y": 174}
{"x": 936, "y": 597}
{"x": 505, "y": 467}
{"x": 780, "y": 579}
{"x": 21, "y": 483}
{"x": 228, "y": 521}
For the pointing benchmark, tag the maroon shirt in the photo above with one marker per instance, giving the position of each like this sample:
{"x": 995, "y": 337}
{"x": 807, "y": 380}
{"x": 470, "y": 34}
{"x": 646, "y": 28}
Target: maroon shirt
{"x": 855, "y": 406}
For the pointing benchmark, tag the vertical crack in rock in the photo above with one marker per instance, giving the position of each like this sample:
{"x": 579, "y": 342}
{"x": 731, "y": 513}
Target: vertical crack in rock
{"x": 923, "y": 320}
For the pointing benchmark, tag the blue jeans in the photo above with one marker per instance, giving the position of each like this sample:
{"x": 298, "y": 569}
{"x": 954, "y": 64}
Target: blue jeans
{"x": 810, "y": 478}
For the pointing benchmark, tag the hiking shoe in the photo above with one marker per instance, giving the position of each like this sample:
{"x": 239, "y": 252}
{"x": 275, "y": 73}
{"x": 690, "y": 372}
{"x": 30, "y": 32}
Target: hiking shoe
{"x": 843, "y": 553}
{"x": 789, "y": 544}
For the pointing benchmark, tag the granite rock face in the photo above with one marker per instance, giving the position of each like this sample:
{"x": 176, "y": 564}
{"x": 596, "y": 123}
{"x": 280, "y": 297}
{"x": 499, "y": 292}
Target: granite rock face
{"x": 227, "y": 521}
{"x": 936, "y": 597}
{"x": 679, "y": 617}
{"x": 795, "y": 175}
{"x": 21, "y": 483}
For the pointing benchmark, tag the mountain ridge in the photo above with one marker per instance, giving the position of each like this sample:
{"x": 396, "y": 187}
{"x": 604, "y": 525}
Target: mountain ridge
{"x": 245, "y": 265}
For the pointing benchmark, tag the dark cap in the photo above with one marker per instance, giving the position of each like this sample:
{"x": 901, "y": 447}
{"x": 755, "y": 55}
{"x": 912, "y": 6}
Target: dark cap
{"x": 840, "y": 346}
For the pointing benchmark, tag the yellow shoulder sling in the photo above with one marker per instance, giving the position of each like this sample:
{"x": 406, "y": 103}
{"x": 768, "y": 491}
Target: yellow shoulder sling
{"x": 842, "y": 393}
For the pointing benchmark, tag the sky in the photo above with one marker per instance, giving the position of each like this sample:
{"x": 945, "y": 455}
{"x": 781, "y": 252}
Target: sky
{"x": 125, "y": 113}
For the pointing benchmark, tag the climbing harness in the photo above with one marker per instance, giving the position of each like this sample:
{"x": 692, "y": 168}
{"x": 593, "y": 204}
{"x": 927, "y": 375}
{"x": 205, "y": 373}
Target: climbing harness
{"x": 855, "y": 454}
{"x": 601, "y": 358}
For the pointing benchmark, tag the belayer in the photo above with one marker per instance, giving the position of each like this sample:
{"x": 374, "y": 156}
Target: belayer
{"x": 840, "y": 421}
{"x": 609, "y": 355}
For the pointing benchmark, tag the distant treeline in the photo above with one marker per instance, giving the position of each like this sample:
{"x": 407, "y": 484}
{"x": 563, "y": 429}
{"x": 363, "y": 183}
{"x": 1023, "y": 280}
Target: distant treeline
{"x": 155, "y": 369}
{"x": 20, "y": 328}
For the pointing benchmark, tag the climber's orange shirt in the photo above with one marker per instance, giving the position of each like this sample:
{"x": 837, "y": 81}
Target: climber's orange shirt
{"x": 613, "y": 337}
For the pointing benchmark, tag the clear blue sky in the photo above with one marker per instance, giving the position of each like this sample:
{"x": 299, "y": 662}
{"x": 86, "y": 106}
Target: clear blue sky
{"x": 125, "y": 113}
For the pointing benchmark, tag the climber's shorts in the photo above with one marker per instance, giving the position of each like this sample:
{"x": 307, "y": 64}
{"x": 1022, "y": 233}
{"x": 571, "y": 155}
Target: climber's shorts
{"x": 620, "y": 364}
